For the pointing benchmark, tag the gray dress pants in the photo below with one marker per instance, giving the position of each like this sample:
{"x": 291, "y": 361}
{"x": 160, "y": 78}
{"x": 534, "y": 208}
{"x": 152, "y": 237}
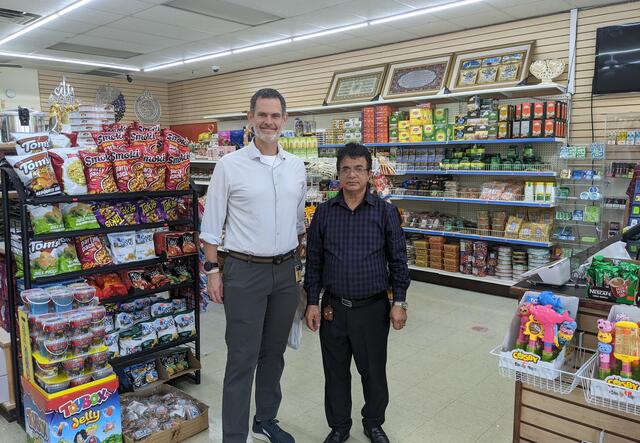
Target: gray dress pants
{"x": 260, "y": 301}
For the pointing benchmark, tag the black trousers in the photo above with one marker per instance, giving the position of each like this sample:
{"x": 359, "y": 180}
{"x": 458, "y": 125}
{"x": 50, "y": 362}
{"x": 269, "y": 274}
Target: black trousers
{"x": 362, "y": 333}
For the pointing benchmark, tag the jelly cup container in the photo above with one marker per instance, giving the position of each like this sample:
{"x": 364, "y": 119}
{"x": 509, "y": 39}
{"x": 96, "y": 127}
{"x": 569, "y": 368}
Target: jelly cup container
{"x": 81, "y": 380}
{"x": 102, "y": 373}
{"x": 98, "y": 313}
{"x": 74, "y": 366}
{"x": 79, "y": 323}
{"x": 80, "y": 345}
{"x": 46, "y": 370}
{"x": 52, "y": 388}
{"x": 84, "y": 295}
{"x": 98, "y": 360}
{"x": 40, "y": 319}
{"x": 54, "y": 348}
{"x": 55, "y": 327}
{"x": 62, "y": 299}
{"x": 37, "y": 300}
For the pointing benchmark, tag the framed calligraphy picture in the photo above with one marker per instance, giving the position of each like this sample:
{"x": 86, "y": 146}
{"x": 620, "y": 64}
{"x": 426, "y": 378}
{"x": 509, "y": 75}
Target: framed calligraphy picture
{"x": 413, "y": 78}
{"x": 351, "y": 86}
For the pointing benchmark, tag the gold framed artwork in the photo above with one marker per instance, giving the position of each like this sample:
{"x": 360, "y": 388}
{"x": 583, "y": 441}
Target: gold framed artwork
{"x": 356, "y": 85}
{"x": 412, "y": 78}
{"x": 497, "y": 67}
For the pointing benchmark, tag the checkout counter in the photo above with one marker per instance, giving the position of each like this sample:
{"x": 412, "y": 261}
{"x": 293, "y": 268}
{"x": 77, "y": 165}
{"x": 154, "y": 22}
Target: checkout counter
{"x": 545, "y": 417}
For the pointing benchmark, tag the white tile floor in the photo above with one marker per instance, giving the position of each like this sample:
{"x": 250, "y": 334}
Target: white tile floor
{"x": 444, "y": 384}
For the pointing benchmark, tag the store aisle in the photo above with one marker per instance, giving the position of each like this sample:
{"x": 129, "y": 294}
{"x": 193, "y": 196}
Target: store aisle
{"x": 444, "y": 384}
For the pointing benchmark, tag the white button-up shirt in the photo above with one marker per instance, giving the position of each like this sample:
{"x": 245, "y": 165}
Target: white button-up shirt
{"x": 260, "y": 207}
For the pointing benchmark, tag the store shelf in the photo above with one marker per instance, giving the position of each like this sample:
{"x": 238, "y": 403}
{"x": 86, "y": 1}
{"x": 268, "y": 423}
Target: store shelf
{"x": 201, "y": 182}
{"x": 8, "y": 147}
{"x": 479, "y": 172}
{"x": 486, "y": 279}
{"x": 539, "y": 90}
{"x": 456, "y": 142}
{"x": 111, "y": 230}
{"x": 149, "y": 353}
{"x": 453, "y": 234}
{"x": 119, "y": 196}
{"x": 472, "y": 200}
{"x": 204, "y": 162}
{"x": 139, "y": 294}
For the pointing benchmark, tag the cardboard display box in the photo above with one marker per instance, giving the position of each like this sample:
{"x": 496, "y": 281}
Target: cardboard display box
{"x": 617, "y": 294}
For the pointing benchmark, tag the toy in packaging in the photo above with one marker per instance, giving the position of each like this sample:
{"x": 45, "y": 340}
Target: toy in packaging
{"x": 31, "y": 143}
{"x": 45, "y": 219}
{"x": 36, "y": 173}
{"x": 69, "y": 170}
{"x": 98, "y": 171}
{"x": 77, "y": 216}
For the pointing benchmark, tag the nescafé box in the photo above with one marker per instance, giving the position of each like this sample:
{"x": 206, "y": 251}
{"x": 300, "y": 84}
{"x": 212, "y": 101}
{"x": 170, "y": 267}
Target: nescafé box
{"x": 87, "y": 413}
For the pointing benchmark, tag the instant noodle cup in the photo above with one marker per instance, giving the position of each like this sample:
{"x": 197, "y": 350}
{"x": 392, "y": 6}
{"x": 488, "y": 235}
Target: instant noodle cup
{"x": 98, "y": 333}
{"x": 37, "y": 300}
{"x": 102, "y": 373}
{"x": 46, "y": 370}
{"x": 98, "y": 360}
{"x": 74, "y": 366}
{"x": 62, "y": 300}
{"x": 98, "y": 313}
{"x": 52, "y": 388}
{"x": 80, "y": 322}
{"x": 81, "y": 380}
{"x": 54, "y": 348}
{"x": 83, "y": 296}
{"x": 55, "y": 327}
{"x": 80, "y": 344}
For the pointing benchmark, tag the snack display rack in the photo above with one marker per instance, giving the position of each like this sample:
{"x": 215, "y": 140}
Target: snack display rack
{"x": 16, "y": 219}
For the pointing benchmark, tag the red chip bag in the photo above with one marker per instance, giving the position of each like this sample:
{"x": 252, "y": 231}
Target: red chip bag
{"x": 110, "y": 139}
{"x": 110, "y": 285}
{"x": 98, "y": 171}
{"x": 115, "y": 127}
{"x": 138, "y": 127}
{"x": 93, "y": 252}
{"x": 145, "y": 139}
{"x": 128, "y": 166}
{"x": 73, "y": 137}
{"x": 154, "y": 169}
{"x": 171, "y": 138}
{"x": 178, "y": 156}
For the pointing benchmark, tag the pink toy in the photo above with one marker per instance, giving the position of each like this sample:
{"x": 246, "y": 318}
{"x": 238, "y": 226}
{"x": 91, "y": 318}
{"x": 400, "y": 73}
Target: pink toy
{"x": 523, "y": 313}
{"x": 605, "y": 337}
{"x": 548, "y": 319}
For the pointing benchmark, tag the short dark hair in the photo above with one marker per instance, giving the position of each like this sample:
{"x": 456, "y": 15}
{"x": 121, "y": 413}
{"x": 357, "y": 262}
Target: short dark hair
{"x": 354, "y": 150}
{"x": 267, "y": 93}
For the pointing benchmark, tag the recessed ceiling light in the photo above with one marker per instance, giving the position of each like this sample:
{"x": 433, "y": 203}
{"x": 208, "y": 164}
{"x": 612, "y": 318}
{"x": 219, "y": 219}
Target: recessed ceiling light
{"x": 423, "y": 11}
{"x": 68, "y": 60}
{"x": 330, "y": 31}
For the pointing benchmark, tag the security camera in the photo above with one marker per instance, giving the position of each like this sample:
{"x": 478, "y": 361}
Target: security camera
{"x": 129, "y": 78}
{"x": 215, "y": 68}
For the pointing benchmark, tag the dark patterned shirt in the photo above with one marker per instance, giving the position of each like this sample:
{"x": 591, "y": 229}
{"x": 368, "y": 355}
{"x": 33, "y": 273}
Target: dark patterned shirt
{"x": 356, "y": 254}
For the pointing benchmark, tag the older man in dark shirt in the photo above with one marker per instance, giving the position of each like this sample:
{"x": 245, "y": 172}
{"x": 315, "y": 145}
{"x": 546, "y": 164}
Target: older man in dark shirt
{"x": 355, "y": 251}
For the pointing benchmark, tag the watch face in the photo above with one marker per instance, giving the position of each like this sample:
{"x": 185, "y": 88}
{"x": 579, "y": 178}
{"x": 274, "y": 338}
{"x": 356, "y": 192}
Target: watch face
{"x": 208, "y": 266}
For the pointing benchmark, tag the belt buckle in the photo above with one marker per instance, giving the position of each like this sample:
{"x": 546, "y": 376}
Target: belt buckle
{"x": 277, "y": 260}
{"x": 347, "y": 303}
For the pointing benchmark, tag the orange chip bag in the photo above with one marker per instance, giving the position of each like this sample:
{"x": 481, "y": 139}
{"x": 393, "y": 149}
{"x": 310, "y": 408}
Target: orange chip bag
{"x": 98, "y": 171}
{"x": 154, "y": 170}
{"x": 110, "y": 139}
{"x": 93, "y": 252}
{"x": 145, "y": 139}
{"x": 128, "y": 166}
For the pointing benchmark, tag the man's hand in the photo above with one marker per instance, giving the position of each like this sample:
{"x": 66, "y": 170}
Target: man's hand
{"x": 214, "y": 287}
{"x": 398, "y": 317}
{"x": 312, "y": 317}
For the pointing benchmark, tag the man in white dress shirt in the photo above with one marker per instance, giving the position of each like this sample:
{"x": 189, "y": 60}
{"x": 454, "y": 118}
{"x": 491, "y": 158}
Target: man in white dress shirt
{"x": 257, "y": 194}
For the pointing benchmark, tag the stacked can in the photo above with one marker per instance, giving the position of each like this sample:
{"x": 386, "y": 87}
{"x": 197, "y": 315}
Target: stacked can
{"x": 504, "y": 270}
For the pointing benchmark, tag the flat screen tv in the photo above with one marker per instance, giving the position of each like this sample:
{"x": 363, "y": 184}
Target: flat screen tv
{"x": 617, "y": 66}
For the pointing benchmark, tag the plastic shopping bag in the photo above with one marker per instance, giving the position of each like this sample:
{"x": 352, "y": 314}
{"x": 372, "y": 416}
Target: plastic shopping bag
{"x": 295, "y": 335}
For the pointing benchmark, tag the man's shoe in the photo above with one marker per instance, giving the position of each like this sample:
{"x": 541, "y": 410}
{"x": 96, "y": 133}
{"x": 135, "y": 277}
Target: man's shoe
{"x": 336, "y": 436}
{"x": 269, "y": 431}
{"x": 376, "y": 435}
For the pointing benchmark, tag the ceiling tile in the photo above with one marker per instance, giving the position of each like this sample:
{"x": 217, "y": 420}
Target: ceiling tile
{"x": 390, "y": 37}
{"x": 64, "y": 24}
{"x": 480, "y": 19}
{"x": 256, "y": 35}
{"x": 189, "y": 20}
{"x": 289, "y": 8}
{"x": 126, "y": 6}
{"x": 368, "y": 9}
{"x": 289, "y": 27}
{"x": 433, "y": 28}
{"x": 226, "y": 10}
{"x": 88, "y": 15}
{"x": 112, "y": 44}
{"x": 540, "y": 8}
{"x": 40, "y": 7}
{"x": 36, "y": 40}
{"x": 348, "y": 44}
{"x": 329, "y": 18}
{"x": 151, "y": 42}
{"x": 152, "y": 28}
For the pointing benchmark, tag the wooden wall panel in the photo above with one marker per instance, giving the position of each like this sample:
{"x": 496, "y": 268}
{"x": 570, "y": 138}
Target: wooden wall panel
{"x": 305, "y": 82}
{"x": 86, "y": 86}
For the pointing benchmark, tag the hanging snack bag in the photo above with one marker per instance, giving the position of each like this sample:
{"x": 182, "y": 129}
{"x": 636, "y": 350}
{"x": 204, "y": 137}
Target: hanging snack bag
{"x": 67, "y": 257}
{"x": 189, "y": 242}
{"x": 69, "y": 171}
{"x": 45, "y": 219}
{"x": 186, "y": 324}
{"x": 78, "y": 216}
{"x": 156, "y": 277}
{"x": 109, "y": 215}
{"x": 135, "y": 279}
{"x": 43, "y": 258}
{"x": 179, "y": 304}
{"x": 149, "y": 211}
{"x": 36, "y": 173}
{"x": 93, "y": 252}
{"x": 142, "y": 374}
{"x": 123, "y": 246}
{"x": 166, "y": 329}
{"x": 129, "y": 212}
{"x": 169, "y": 206}
{"x": 110, "y": 139}
{"x": 155, "y": 169}
{"x": 145, "y": 248}
{"x": 178, "y": 158}
{"x": 168, "y": 242}
{"x": 98, "y": 171}
{"x": 128, "y": 166}
{"x": 30, "y": 143}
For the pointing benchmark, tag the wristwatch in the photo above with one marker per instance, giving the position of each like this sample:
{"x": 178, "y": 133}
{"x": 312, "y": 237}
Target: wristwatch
{"x": 210, "y": 267}
{"x": 403, "y": 304}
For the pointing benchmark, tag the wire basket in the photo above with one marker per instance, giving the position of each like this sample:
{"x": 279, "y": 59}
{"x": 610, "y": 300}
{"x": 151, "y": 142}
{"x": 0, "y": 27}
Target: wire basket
{"x": 600, "y": 393}
{"x": 544, "y": 376}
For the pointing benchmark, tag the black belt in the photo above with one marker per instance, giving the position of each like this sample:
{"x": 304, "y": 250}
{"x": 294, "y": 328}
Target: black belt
{"x": 359, "y": 303}
{"x": 276, "y": 260}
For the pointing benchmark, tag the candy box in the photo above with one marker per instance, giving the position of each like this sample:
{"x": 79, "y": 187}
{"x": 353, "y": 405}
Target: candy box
{"x": 73, "y": 414}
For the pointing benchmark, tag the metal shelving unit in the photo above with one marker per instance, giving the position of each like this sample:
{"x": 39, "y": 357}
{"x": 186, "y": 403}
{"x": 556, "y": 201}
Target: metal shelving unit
{"x": 510, "y": 141}
{"x": 467, "y": 234}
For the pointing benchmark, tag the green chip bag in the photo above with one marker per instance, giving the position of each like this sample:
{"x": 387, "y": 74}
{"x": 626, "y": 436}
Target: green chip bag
{"x": 45, "y": 219}
{"x": 67, "y": 257}
{"x": 78, "y": 216}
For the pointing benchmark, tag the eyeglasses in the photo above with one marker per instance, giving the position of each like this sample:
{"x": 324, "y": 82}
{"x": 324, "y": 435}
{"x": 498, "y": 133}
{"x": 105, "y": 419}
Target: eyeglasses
{"x": 346, "y": 170}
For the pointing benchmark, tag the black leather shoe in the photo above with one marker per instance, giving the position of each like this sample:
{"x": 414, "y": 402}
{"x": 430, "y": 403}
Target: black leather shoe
{"x": 376, "y": 435}
{"x": 336, "y": 436}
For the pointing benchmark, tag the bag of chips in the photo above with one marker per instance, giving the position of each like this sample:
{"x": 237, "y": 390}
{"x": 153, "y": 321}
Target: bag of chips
{"x": 93, "y": 252}
{"x": 98, "y": 171}
{"x": 148, "y": 334}
{"x": 129, "y": 212}
{"x": 128, "y": 166}
{"x": 166, "y": 329}
{"x": 155, "y": 168}
{"x": 139, "y": 127}
{"x": 149, "y": 211}
{"x": 69, "y": 171}
{"x": 135, "y": 279}
{"x": 145, "y": 248}
{"x": 45, "y": 219}
{"x": 67, "y": 257}
{"x": 61, "y": 141}
{"x": 178, "y": 160}
{"x": 30, "y": 143}
{"x": 110, "y": 139}
{"x": 42, "y": 258}
{"x": 78, "y": 216}
{"x": 115, "y": 127}
{"x": 36, "y": 173}
{"x": 156, "y": 277}
{"x": 186, "y": 324}
{"x": 109, "y": 215}
{"x": 169, "y": 207}
{"x": 189, "y": 242}
{"x": 142, "y": 374}
{"x": 145, "y": 140}
{"x": 123, "y": 246}
{"x": 111, "y": 341}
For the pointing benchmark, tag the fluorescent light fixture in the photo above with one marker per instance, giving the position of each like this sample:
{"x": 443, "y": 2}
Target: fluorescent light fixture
{"x": 207, "y": 57}
{"x": 165, "y": 66}
{"x": 331, "y": 31}
{"x": 73, "y": 6}
{"x": 263, "y": 45}
{"x": 68, "y": 60}
{"x": 418, "y": 12}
